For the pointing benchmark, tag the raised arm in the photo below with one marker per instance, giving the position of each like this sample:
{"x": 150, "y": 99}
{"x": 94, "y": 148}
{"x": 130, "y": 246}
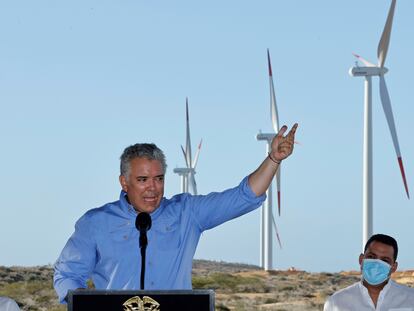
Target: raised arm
{"x": 281, "y": 148}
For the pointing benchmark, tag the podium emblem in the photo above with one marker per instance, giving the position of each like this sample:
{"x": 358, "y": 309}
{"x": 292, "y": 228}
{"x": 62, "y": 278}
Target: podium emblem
{"x": 144, "y": 304}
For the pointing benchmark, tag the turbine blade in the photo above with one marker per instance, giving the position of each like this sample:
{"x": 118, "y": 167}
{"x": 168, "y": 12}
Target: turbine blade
{"x": 187, "y": 141}
{"x": 386, "y": 105}
{"x": 193, "y": 183}
{"x": 364, "y": 61}
{"x": 273, "y": 107}
{"x": 197, "y": 154}
{"x": 185, "y": 156}
{"x": 400, "y": 163}
{"x": 385, "y": 37}
{"x": 275, "y": 121}
{"x": 277, "y": 231}
{"x": 278, "y": 189}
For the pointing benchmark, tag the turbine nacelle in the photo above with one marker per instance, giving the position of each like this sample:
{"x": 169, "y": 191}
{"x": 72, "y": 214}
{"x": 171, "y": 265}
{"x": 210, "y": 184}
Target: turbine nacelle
{"x": 367, "y": 71}
{"x": 184, "y": 171}
{"x": 264, "y": 136}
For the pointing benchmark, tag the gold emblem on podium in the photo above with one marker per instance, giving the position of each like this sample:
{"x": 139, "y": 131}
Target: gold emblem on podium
{"x": 144, "y": 304}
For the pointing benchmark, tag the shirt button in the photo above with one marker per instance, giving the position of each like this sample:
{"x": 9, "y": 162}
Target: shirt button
{"x": 152, "y": 283}
{"x": 149, "y": 263}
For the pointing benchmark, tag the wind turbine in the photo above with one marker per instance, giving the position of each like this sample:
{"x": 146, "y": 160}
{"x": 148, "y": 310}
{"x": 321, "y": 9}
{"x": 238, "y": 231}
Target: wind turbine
{"x": 188, "y": 183}
{"x": 267, "y": 218}
{"x": 368, "y": 71}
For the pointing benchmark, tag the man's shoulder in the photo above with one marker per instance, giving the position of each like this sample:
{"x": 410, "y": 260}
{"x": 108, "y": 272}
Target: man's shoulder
{"x": 176, "y": 205}
{"x": 179, "y": 198}
{"x": 343, "y": 298}
{"x": 101, "y": 211}
{"x": 401, "y": 288}
{"x": 351, "y": 290}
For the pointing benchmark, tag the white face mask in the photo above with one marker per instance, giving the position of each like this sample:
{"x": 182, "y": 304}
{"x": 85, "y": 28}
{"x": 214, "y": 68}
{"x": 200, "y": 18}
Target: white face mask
{"x": 375, "y": 271}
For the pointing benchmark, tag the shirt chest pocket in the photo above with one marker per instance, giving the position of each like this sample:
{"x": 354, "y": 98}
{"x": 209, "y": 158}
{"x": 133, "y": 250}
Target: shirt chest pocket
{"x": 124, "y": 235}
{"x": 165, "y": 235}
{"x": 117, "y": 240}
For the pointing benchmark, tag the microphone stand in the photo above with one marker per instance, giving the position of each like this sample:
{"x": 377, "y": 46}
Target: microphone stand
{"x": 143, "y": 224}
{"x": 143, "y": 242}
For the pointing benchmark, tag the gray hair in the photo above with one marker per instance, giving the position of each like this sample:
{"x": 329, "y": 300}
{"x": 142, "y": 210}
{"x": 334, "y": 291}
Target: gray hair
{"x": 148, "y": 151}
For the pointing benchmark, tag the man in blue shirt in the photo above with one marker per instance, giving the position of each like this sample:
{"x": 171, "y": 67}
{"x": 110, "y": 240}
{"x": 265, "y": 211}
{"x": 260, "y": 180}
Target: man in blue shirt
{"x": 104, "y": 246}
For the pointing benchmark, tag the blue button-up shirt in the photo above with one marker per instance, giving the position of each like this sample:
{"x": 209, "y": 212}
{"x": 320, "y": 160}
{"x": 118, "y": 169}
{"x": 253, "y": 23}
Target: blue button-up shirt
{"x": 105, "y": 247}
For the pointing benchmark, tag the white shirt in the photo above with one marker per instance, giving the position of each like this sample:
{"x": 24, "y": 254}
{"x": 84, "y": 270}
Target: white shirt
{"x": 7, "y": 304}
{"x": 393, "y": 297}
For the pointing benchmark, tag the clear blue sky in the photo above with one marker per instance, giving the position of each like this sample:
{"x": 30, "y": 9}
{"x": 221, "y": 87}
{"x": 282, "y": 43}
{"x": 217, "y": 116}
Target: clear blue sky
{"x": 81, "y": 80}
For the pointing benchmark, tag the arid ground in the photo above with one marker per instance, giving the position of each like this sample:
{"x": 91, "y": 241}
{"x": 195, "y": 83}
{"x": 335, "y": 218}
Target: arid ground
{"x": 237, "y": 286}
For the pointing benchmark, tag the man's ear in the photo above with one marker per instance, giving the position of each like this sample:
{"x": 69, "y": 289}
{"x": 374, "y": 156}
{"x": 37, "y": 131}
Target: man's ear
{"x": 394, "y": 267}
{"x": 361, "y": 259}
{"x": 123, "y": 182}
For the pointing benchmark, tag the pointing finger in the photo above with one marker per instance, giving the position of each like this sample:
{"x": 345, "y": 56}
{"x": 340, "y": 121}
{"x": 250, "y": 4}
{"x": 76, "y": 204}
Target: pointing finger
{"x": 293, "y": 130}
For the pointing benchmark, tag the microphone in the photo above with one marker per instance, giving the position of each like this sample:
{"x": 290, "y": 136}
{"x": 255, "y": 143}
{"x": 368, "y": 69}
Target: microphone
{"x": 143, "y": 224}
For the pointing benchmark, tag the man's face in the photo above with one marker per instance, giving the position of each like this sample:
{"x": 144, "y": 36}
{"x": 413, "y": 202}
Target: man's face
{"x": 144, "y": 185}
{"x": 378, "y": 250}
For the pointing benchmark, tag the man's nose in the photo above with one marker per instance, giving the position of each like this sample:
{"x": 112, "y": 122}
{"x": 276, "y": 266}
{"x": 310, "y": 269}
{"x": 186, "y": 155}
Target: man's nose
{"x": 151, "y": 183}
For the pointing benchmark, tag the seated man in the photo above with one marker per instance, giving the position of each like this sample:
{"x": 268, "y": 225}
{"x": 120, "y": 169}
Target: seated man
{"x": 104, "y": 246}
{"x": 8, "y": 304}
{"x": 375, "y": 291}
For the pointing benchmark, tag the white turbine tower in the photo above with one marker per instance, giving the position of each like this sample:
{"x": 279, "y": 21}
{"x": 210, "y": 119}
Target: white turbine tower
{"x": 188, "y": 183}
{"x": 368, "y": 71}
{"x": 267, "y": 218}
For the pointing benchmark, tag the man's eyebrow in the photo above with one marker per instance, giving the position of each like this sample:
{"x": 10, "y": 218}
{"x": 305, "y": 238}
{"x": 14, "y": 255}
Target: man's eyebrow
{"x": 371, "y": 254}
{"x": 380, "y": 257}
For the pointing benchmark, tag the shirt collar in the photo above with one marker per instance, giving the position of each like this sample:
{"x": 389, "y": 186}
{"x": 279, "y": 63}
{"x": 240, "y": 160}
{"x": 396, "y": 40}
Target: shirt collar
{"x": 125, "y": 205}
{"x": 382, "y": 294}
{"x": 385, "y": 289}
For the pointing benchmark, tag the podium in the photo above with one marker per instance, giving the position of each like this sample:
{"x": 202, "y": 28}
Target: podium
{"x": 146, "y": 300}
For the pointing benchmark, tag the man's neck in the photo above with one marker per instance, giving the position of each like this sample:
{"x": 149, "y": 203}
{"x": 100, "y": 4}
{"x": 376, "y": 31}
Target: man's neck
{"x": 374, "y": 291}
